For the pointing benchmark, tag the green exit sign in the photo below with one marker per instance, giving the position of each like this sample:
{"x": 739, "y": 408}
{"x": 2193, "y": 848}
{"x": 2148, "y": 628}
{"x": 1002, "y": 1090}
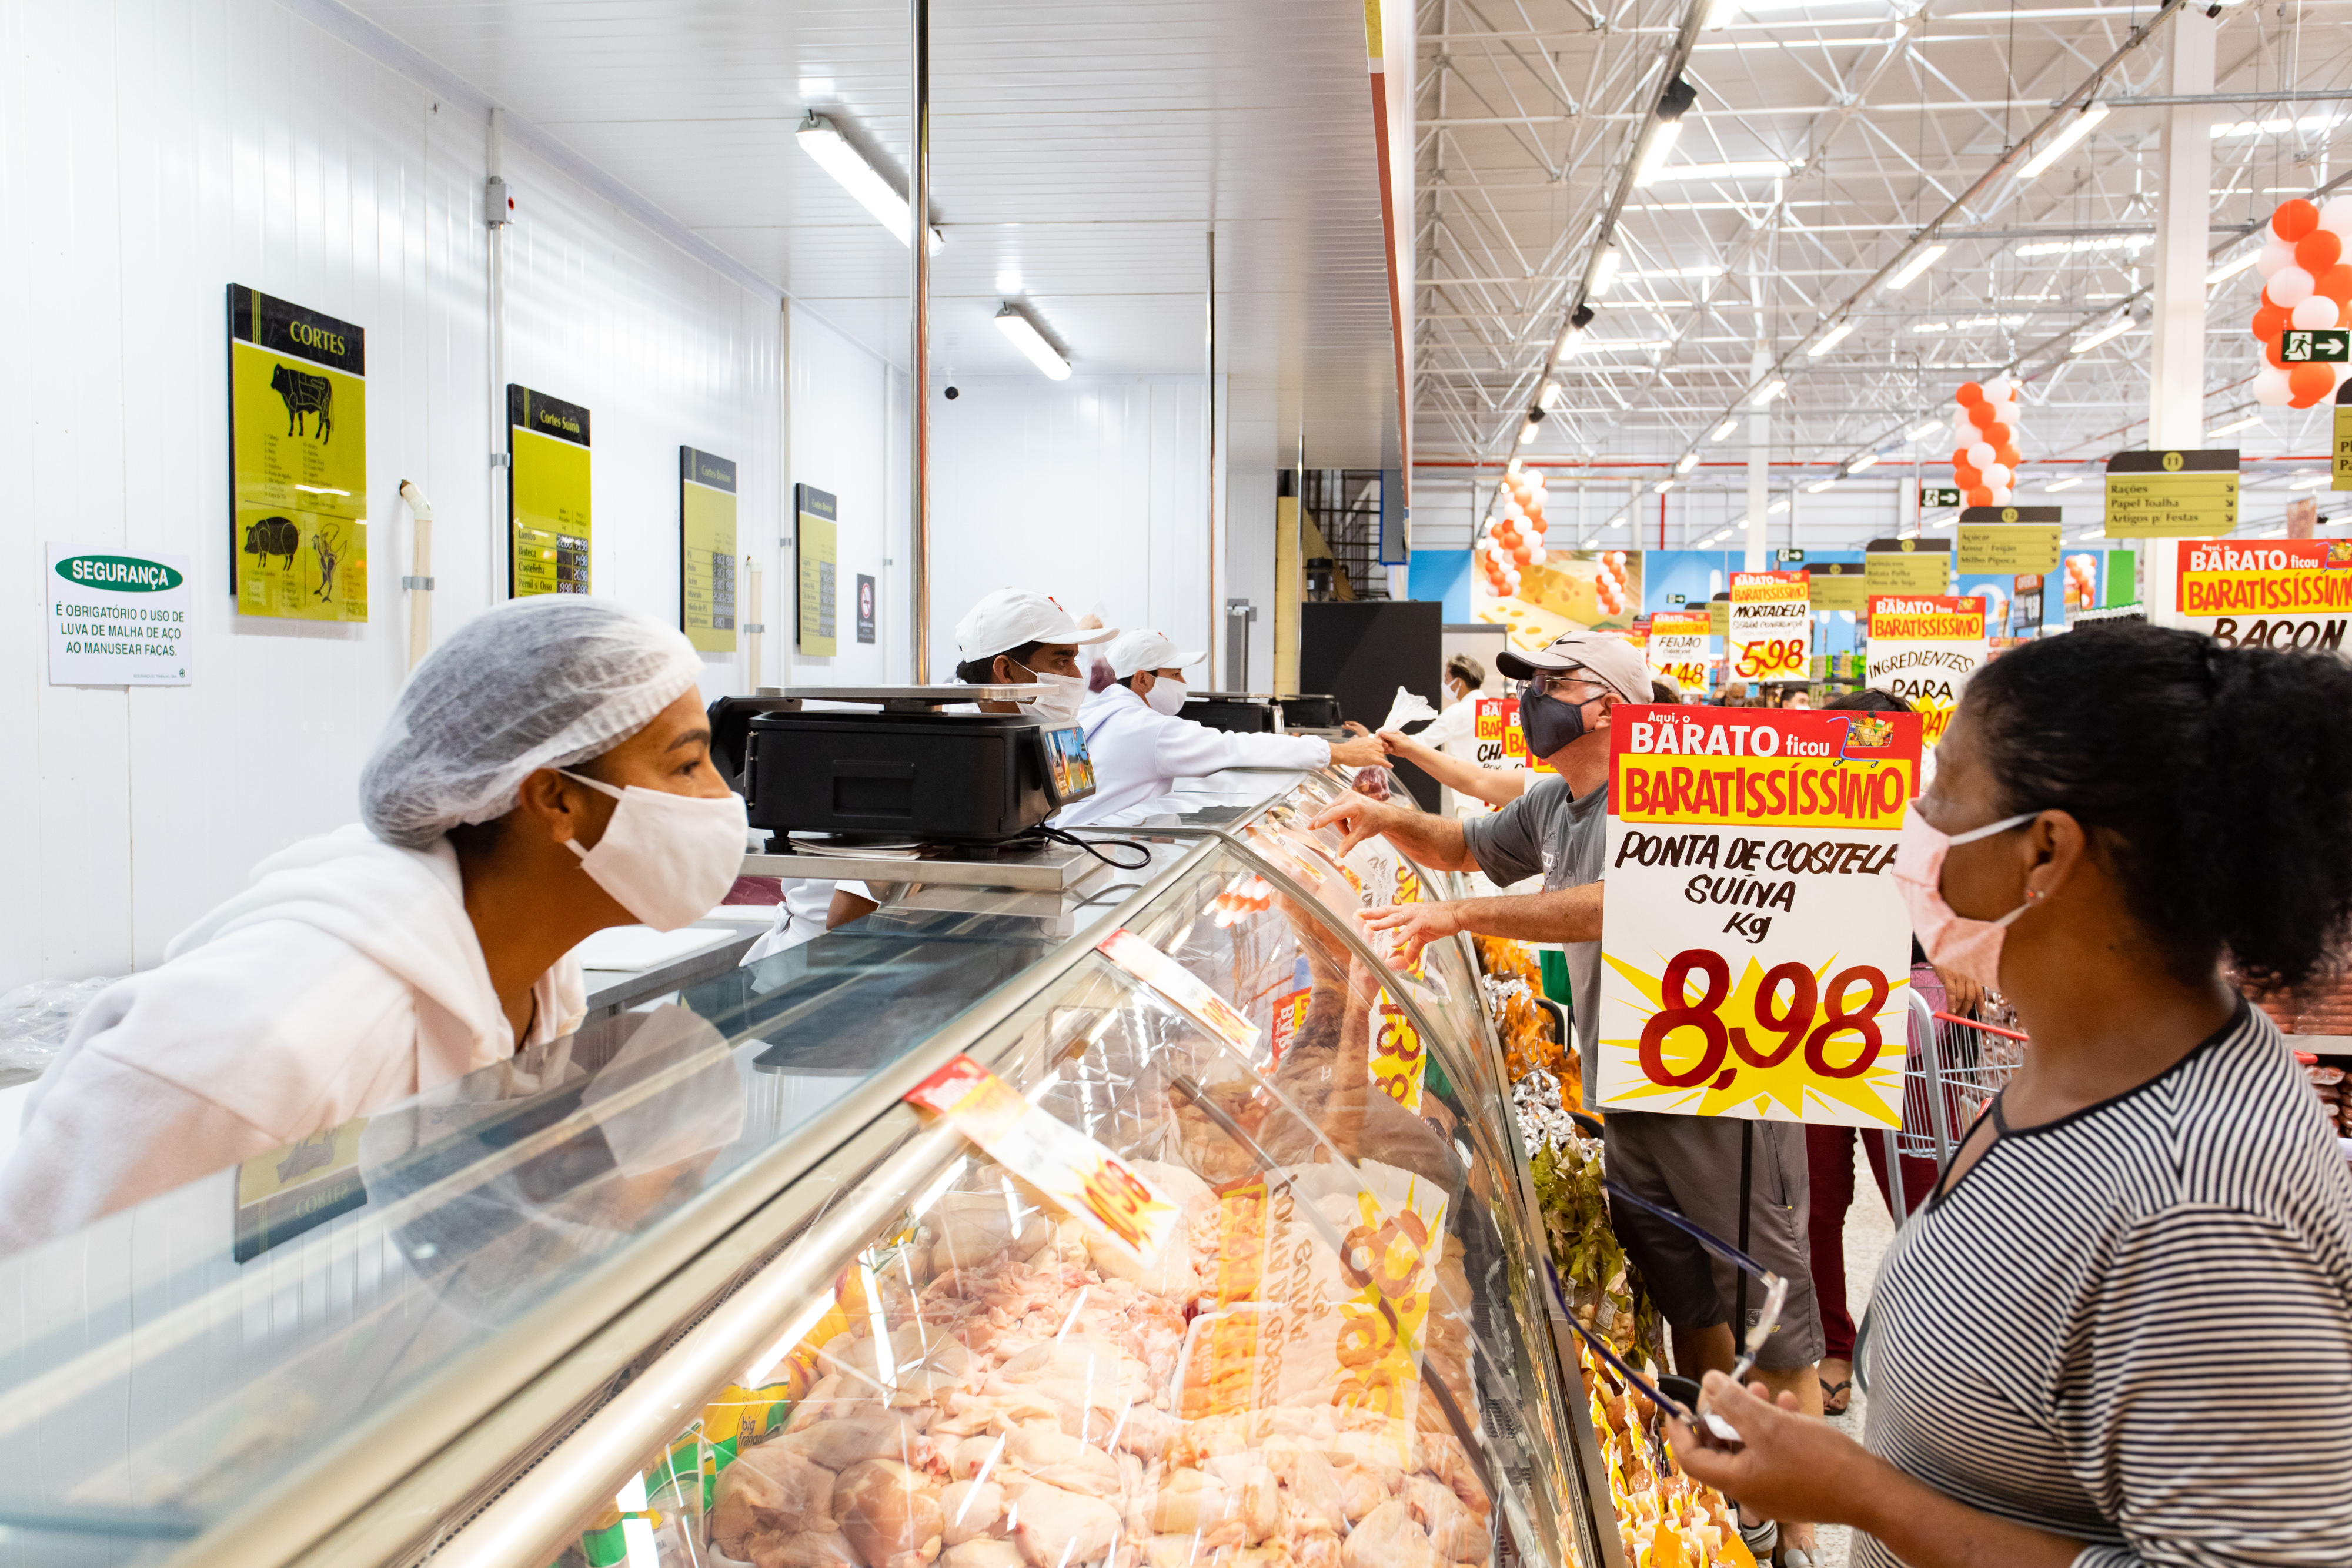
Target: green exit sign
{"x": 1938, "y": 495}
{"x": 2320, "y": 345}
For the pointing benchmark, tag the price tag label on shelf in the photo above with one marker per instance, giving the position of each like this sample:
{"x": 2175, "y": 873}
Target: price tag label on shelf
{"x": 1086, "y": 1180}
{"x": 1754, "y": 950}
{"x": 1189, "y": 995}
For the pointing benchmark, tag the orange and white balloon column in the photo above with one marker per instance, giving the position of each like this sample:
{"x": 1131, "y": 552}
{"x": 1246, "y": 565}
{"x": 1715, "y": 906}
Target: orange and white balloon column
{"x": 1513, "y": 535}
{"x": 1987, "y": 427}
{"x": 2306, "y": 285}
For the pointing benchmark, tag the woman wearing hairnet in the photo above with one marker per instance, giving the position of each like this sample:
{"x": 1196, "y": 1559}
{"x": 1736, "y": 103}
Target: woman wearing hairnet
{"x": 546, "y": 774}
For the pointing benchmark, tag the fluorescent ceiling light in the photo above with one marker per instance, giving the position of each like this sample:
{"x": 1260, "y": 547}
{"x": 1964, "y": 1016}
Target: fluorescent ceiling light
{"x": 1528, "y": 432}
{"x": 1720, "y": 13}
{"x": 1654, "y": 157}
{"x": 1861, "y": 462}
{"x": 2311, "y": 481}
{"x": 1780, "y": 505}
{"x": 1975, "y": 321}
{"x": 1723, "y": 430}
{"x": 2115, "y": 328}
{"x": 1829, "y": 340}
{"x": 2071, "y": 246}
{"x": 1662, "y": 486}
{"x": 1926, "y": 430}
{"x": 1686, "y": 462}
{"x": 1739, "y": 169}
{"x": 1931, "y": 326}
{"x": 874, "y": 191}
{"x": 2248, "y": 422}
{"x": 1818, "y": 486}
{"x": 1548, "y": 396}
{"x": 2073, "y": 132}
{"x": 2067, "y": 483}
{"x": 2230, "y": 270}
{"x": 1510, "y": 467}
{"x": 1604, "y": 275}
{"x": 1764, "y": 398}
{"x": 1918, "y": 265}
{"x": 2271, "y": 127}
{"x": 1015, "y": 324}
{"x": 1590, "y": 345}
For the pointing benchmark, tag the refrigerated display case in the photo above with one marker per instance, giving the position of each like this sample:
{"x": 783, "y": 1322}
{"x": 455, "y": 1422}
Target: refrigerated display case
{"x": 696, "y": 1285}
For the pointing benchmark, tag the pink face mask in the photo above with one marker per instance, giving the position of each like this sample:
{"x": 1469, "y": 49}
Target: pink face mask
{"x": 1955, "y": 943}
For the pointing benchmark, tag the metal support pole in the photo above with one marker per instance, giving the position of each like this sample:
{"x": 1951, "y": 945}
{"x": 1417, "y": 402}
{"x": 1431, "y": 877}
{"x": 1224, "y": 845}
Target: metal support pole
{"x": 918, "y": 348}
{"x": 2176, "y": 385}
{"x": 1210, "y": 406}
{"x": 1760, "y": 458}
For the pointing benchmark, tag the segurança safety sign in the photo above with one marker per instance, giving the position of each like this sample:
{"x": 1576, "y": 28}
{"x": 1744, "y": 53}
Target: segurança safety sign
{"x": 116, "y": 619}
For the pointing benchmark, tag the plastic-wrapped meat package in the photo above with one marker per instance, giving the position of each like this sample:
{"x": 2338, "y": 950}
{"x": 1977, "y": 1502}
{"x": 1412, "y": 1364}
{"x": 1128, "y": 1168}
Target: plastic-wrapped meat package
{"x": 1008, "y": 1394}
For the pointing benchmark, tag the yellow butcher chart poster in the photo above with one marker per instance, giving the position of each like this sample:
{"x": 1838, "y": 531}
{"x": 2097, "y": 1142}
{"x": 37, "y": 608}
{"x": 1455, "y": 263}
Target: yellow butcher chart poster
{"x": 817, "y": 623}
{"x": 298, "y": 461}
{"x": 547, "y": 494}
{"x": 707, "y": 560}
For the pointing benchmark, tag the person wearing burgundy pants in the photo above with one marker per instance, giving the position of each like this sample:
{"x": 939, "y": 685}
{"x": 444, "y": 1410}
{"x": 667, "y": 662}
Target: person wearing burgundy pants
{"x": 1829, "y": 1161}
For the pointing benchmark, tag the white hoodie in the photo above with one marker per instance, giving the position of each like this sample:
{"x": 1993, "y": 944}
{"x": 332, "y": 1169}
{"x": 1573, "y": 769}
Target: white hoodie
{"x": 344, "y": 978}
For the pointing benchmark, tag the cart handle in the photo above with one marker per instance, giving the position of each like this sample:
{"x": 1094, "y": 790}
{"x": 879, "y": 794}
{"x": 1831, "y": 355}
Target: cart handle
{"x": 1988, "y": 1028}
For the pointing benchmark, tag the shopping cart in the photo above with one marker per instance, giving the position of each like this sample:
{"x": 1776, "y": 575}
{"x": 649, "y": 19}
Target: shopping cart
{"x": 1952, "y": 1070}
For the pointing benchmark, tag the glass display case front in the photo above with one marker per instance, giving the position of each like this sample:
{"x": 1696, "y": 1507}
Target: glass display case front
{"x": 1210, "y": 1249}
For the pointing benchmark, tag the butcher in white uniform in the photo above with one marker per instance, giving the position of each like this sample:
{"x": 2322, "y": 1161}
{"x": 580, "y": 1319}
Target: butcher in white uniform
{"x": 545, "y": 774}
{"x": 1139, "y": 747}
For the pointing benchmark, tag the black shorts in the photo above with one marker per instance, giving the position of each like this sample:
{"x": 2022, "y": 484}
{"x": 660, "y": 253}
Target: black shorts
{"x": 1691, "y": 1164}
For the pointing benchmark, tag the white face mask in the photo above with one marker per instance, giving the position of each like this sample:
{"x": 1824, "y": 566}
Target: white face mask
{"x": 1061, "y": 699}
{"x": 667, "y": 859}
{"x": 1167, "y": 694}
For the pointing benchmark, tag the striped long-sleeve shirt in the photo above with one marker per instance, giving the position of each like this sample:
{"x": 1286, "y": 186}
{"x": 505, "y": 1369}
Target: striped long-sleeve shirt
{"x": 2133, "y": 1326}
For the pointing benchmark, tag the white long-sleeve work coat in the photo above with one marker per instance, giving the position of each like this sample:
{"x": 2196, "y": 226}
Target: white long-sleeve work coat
{"x": 344, "y": 978}
{"x": 1138, "y": 752}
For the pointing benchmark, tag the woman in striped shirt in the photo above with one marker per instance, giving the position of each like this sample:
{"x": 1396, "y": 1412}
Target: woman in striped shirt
{"x": 2121, "y": 1331}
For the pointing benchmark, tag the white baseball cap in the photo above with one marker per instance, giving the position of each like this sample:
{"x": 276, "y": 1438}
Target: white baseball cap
{"x": 1147, "y": 650}
{"x": 1011, "y": 616}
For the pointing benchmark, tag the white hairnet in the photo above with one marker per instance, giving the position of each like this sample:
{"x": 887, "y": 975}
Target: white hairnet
{"x": 537, "y": 683}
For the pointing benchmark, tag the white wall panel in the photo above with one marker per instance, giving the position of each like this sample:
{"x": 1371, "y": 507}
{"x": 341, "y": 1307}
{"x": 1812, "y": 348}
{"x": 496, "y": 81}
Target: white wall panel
{"x": 155, "y": 152}
{"x": 848, "y": 440}
{"x": 1092, "y": 490}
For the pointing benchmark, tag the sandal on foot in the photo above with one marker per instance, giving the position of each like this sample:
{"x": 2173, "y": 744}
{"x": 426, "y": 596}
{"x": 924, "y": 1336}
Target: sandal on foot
{"x": 1762, "y": 1540}
{"x": 1837, "y": 1398}
{"x": 1795, "y": 1557}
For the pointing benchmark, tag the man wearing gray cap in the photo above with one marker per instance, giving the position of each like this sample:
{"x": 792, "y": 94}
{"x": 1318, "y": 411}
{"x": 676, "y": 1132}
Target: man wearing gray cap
{"x": 1693, "y": 1165}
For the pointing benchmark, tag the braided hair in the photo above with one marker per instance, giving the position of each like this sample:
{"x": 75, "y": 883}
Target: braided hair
{"x": 2215, "y": 784}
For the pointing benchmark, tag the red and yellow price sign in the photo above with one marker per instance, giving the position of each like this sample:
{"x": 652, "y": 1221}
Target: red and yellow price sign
{"x": 1755, "y": 953}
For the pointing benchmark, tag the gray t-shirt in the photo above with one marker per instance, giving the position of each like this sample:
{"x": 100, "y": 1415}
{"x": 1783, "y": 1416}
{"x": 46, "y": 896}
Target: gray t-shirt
{"x": 1566, "y": 840}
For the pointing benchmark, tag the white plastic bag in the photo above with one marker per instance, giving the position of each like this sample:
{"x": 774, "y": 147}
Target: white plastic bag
{"x": 35, "y": 1018}
{"x": 1408, "y": 706}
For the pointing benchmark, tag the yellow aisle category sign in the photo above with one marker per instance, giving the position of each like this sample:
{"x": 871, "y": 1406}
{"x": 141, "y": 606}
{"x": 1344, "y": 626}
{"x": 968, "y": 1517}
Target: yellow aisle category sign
{"x": 2172, "y": 495}
{"x": 816, "y": 538}
{"x": 1839, "y": 585}
{"x": 2342, "y": 479}
{"x": 298, "y": 461}
{"x": 1907, "y": 567}
{"x": 547, "y": 494}
{"x": 1923, "y": 649}
{"x": 1754, "y": 950}
{"x": 707, "y": 558}
{"x": 2006, "y": 540}
{"x": 1771, "y": 626}
{"x": 2277, "y": 594}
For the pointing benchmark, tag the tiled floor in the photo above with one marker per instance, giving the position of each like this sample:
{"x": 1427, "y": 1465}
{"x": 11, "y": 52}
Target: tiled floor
{"x": 1868, "y": 1231}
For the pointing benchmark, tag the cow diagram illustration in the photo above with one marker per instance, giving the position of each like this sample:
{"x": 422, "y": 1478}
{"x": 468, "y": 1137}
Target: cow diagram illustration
{"x": 272, "y": 536}
{"x": 304, "y": 394}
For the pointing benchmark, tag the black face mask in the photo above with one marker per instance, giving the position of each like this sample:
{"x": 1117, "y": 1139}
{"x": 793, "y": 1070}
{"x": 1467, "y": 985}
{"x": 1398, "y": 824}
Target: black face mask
{"x": 1548, "y": 723}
